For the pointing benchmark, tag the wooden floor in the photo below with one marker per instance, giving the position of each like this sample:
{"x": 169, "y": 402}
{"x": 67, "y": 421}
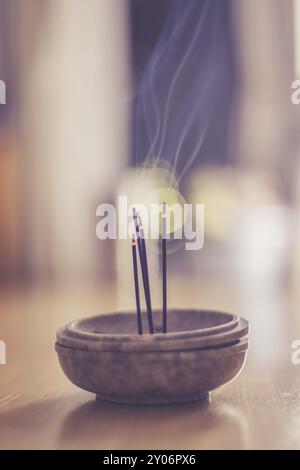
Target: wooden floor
{"x": 40, "y": 409}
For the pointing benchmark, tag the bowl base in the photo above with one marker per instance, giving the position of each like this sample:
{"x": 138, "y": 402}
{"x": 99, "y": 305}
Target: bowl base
{"x": 203, "y": 396}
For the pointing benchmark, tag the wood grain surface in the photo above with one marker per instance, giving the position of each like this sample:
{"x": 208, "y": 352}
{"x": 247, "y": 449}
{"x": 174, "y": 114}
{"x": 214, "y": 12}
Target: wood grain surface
{"x": 40, "y": 409}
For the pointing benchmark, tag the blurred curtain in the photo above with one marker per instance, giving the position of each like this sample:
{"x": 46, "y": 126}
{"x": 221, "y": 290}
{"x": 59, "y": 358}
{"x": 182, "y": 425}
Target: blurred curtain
{"x": 263, "y": 130}
{"x": 74, "y": 129}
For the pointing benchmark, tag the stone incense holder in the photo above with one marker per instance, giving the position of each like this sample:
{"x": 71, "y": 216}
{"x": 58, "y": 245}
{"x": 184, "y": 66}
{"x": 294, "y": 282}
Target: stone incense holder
{"x": 201, "y": 351}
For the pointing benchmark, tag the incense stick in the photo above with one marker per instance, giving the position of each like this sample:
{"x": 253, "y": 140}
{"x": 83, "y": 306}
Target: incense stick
{"x": 144, "y": 251}
{"x": 164, "y": 267}
{"x": 144, "y": 267}
{"x": 136, "y": 286}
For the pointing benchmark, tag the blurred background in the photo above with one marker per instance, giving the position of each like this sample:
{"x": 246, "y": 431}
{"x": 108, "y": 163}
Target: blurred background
{"x": 124, "y": 97}
{"x": 99, "y": 93}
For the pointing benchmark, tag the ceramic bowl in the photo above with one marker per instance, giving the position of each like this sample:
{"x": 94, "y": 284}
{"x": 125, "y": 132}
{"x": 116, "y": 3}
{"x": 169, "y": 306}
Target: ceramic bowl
{"x": 108, "y": 359}
{"x": 92, "y": 333}
{"x": 121, "y": 326}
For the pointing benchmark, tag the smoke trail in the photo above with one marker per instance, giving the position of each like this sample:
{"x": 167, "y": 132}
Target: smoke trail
{"x": 177, "y": 29}
{"x": 168, "y": 36}
{"x": 180, "y": 85}
{"x": 150, "y": 82}
{"x": 178, "y": 72}
{"x": 206, "y": 102}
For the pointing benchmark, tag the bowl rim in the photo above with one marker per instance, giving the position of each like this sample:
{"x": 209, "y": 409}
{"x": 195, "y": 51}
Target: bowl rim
{"x": 156, "y": 342}
{"x": 72, "y": 329}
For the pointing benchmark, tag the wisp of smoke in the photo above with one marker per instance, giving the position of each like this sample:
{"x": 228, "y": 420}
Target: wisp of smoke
{"x": 180, "y": 85}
